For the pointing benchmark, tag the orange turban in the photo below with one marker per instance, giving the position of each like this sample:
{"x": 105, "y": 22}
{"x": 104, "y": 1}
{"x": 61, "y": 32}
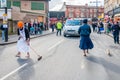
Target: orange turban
{"x": 20, "y": 24}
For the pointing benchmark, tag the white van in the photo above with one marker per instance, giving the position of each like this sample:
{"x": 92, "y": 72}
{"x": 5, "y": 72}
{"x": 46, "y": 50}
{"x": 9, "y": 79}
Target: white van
{"x": 71, "y": 27}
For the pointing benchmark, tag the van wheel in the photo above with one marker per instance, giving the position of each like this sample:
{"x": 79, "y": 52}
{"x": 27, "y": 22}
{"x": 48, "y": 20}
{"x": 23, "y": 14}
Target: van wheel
{"x": 64, "y": 35}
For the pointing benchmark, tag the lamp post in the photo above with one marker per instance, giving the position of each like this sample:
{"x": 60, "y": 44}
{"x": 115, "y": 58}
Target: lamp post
{"x": 6, "y": 27}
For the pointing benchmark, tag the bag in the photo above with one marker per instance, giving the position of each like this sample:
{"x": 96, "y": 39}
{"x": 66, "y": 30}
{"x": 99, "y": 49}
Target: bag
{"x": 84, "y": 33}
{"x": 101, "y": 29}
{"x": 1, "y": 27}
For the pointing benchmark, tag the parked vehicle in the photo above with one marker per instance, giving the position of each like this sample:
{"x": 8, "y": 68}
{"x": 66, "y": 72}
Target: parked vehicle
{"x": 71, "y": 27}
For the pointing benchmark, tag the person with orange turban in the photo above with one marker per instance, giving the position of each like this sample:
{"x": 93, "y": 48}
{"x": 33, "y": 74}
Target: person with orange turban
{"x": 23, "y": 40}
{"x": 20, "y": 24}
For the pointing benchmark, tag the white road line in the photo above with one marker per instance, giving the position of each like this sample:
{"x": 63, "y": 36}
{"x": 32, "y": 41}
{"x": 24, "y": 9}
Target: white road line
{"x": 55, "y": 45}
{"x": 6, "y": 76}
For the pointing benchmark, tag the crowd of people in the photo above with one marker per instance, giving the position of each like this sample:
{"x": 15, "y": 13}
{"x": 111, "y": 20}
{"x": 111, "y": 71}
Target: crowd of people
{"x": 107, "y": 27}
{"x": 99, "y": 27}
{"x": 36, "y": 27}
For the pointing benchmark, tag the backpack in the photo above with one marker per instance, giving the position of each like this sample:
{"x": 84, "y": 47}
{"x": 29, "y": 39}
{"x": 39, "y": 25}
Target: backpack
{"x": 84, "y": 32}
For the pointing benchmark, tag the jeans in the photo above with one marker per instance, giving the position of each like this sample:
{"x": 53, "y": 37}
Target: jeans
{"x": 3, "y": 35}
{"x": 116, "y": 39}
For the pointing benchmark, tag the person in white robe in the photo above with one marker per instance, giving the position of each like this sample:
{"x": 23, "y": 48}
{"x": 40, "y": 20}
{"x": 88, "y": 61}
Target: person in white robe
{"x": 23, "y": 40}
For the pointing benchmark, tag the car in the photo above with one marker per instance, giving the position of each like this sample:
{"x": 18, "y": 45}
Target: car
{"x": 71, "y": 27}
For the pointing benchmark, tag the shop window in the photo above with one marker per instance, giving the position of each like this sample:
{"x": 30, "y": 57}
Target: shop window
{"x": 16, "y": 3}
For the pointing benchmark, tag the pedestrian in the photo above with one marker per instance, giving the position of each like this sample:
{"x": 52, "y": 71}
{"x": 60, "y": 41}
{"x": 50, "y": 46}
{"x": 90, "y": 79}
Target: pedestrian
{"x": 100, "y": 27}
{"x": 23, "y": 40}
{"x": 115, "y": 30}
{"x": 93, "y": 26}
{"x": 59, "y": 27}
{"x": 32, "y": 30}
{"x": 85, "y": 41}
{"x": 109, "y": 25}
{"x": 52, "y": 26}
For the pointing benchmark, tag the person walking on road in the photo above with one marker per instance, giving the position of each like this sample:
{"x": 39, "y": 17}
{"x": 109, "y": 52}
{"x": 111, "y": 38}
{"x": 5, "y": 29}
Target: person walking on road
{"x": 100, "y": 27}
{"x": 94, "y": 26}
{"x": 52, "y": 26}
{"x": 59, "y": 27}
{"x": 115, "y": 30}
{"x": 23, "y": 40}
{"x": 85, "y": 41}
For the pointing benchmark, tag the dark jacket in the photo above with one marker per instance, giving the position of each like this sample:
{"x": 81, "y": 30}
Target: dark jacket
{"x": 115, "y": 29}
{"x": 84, "y": 30}
{"x": 27, "y": 35}
{"x": 1, "y": 27}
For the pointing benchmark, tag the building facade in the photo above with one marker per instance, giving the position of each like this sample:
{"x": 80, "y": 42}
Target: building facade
{"x": 112, "y": 8}
{"x": 110, "y": 5}
{"x": 27, "y": 11}
{"x": 83, "y": 11}
{"x": 57, "y": 12}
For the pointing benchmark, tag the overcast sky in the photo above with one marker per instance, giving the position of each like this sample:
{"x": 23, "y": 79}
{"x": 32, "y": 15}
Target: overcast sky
{"x": 75, "y": 2}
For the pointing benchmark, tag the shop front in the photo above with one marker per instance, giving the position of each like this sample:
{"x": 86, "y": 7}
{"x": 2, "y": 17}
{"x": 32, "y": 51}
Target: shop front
{"x": 117, "y": 14}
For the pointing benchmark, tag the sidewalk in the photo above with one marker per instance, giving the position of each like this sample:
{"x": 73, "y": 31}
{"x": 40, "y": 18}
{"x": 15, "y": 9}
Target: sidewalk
{"x": 14, "y": 38}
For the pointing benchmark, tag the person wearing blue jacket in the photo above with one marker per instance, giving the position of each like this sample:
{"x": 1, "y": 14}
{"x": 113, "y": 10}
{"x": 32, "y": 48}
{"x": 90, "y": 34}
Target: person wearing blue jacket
{"x": 85, "y": 41}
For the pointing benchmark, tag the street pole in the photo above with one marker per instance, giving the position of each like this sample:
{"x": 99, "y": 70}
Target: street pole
{"x": 5, "y": 22}
{"x": 6, "y": 27}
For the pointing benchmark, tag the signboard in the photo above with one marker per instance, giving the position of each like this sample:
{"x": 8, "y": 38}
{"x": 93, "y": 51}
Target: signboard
{"x": 2, "y": 11}
{"x": 4, "y": 18}
{"x": 5, "y": 26}
{"x": 3, "y": 3}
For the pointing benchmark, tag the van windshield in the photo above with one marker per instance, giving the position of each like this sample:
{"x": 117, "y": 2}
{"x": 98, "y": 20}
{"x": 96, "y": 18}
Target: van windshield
{"x": 73, "y": 22}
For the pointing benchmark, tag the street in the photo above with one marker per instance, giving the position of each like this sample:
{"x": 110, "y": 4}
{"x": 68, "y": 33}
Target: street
{"x": 62, "y": 60}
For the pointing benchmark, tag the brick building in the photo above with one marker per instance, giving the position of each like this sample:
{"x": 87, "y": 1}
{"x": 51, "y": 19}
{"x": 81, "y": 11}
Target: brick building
{"x": 112, "y": 9}
{"x": 83, "y": 11}
{"x": 27, "y": 11}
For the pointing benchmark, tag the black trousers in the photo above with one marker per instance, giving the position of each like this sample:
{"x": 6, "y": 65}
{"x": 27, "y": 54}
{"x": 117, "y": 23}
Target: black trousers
{"x": 58, "y": 31}
{"x": 116, "y": 39}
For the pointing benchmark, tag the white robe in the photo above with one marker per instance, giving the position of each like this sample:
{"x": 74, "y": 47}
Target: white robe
{"x": 22, "y": 44}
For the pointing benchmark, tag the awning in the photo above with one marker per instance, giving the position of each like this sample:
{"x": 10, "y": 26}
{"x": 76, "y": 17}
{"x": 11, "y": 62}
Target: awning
{"x": 117, "y": 15}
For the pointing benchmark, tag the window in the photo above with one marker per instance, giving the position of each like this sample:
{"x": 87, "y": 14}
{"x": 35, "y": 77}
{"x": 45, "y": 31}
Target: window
{"x": 71, "y": 14}
{"x": 73, "y": 22}
{"x": 16, "y": 3}
{"x": 37, "y": 6}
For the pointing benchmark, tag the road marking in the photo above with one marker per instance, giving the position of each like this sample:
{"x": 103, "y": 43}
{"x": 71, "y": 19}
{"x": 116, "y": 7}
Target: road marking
{"x": 55, "y": 45}
{"x": 6, "y": 76}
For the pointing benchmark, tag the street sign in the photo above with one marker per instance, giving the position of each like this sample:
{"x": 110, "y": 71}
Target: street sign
{"x": 3, "y": 3}
{"x": 5, "y": 26}
{"x": 4, "y": 18}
